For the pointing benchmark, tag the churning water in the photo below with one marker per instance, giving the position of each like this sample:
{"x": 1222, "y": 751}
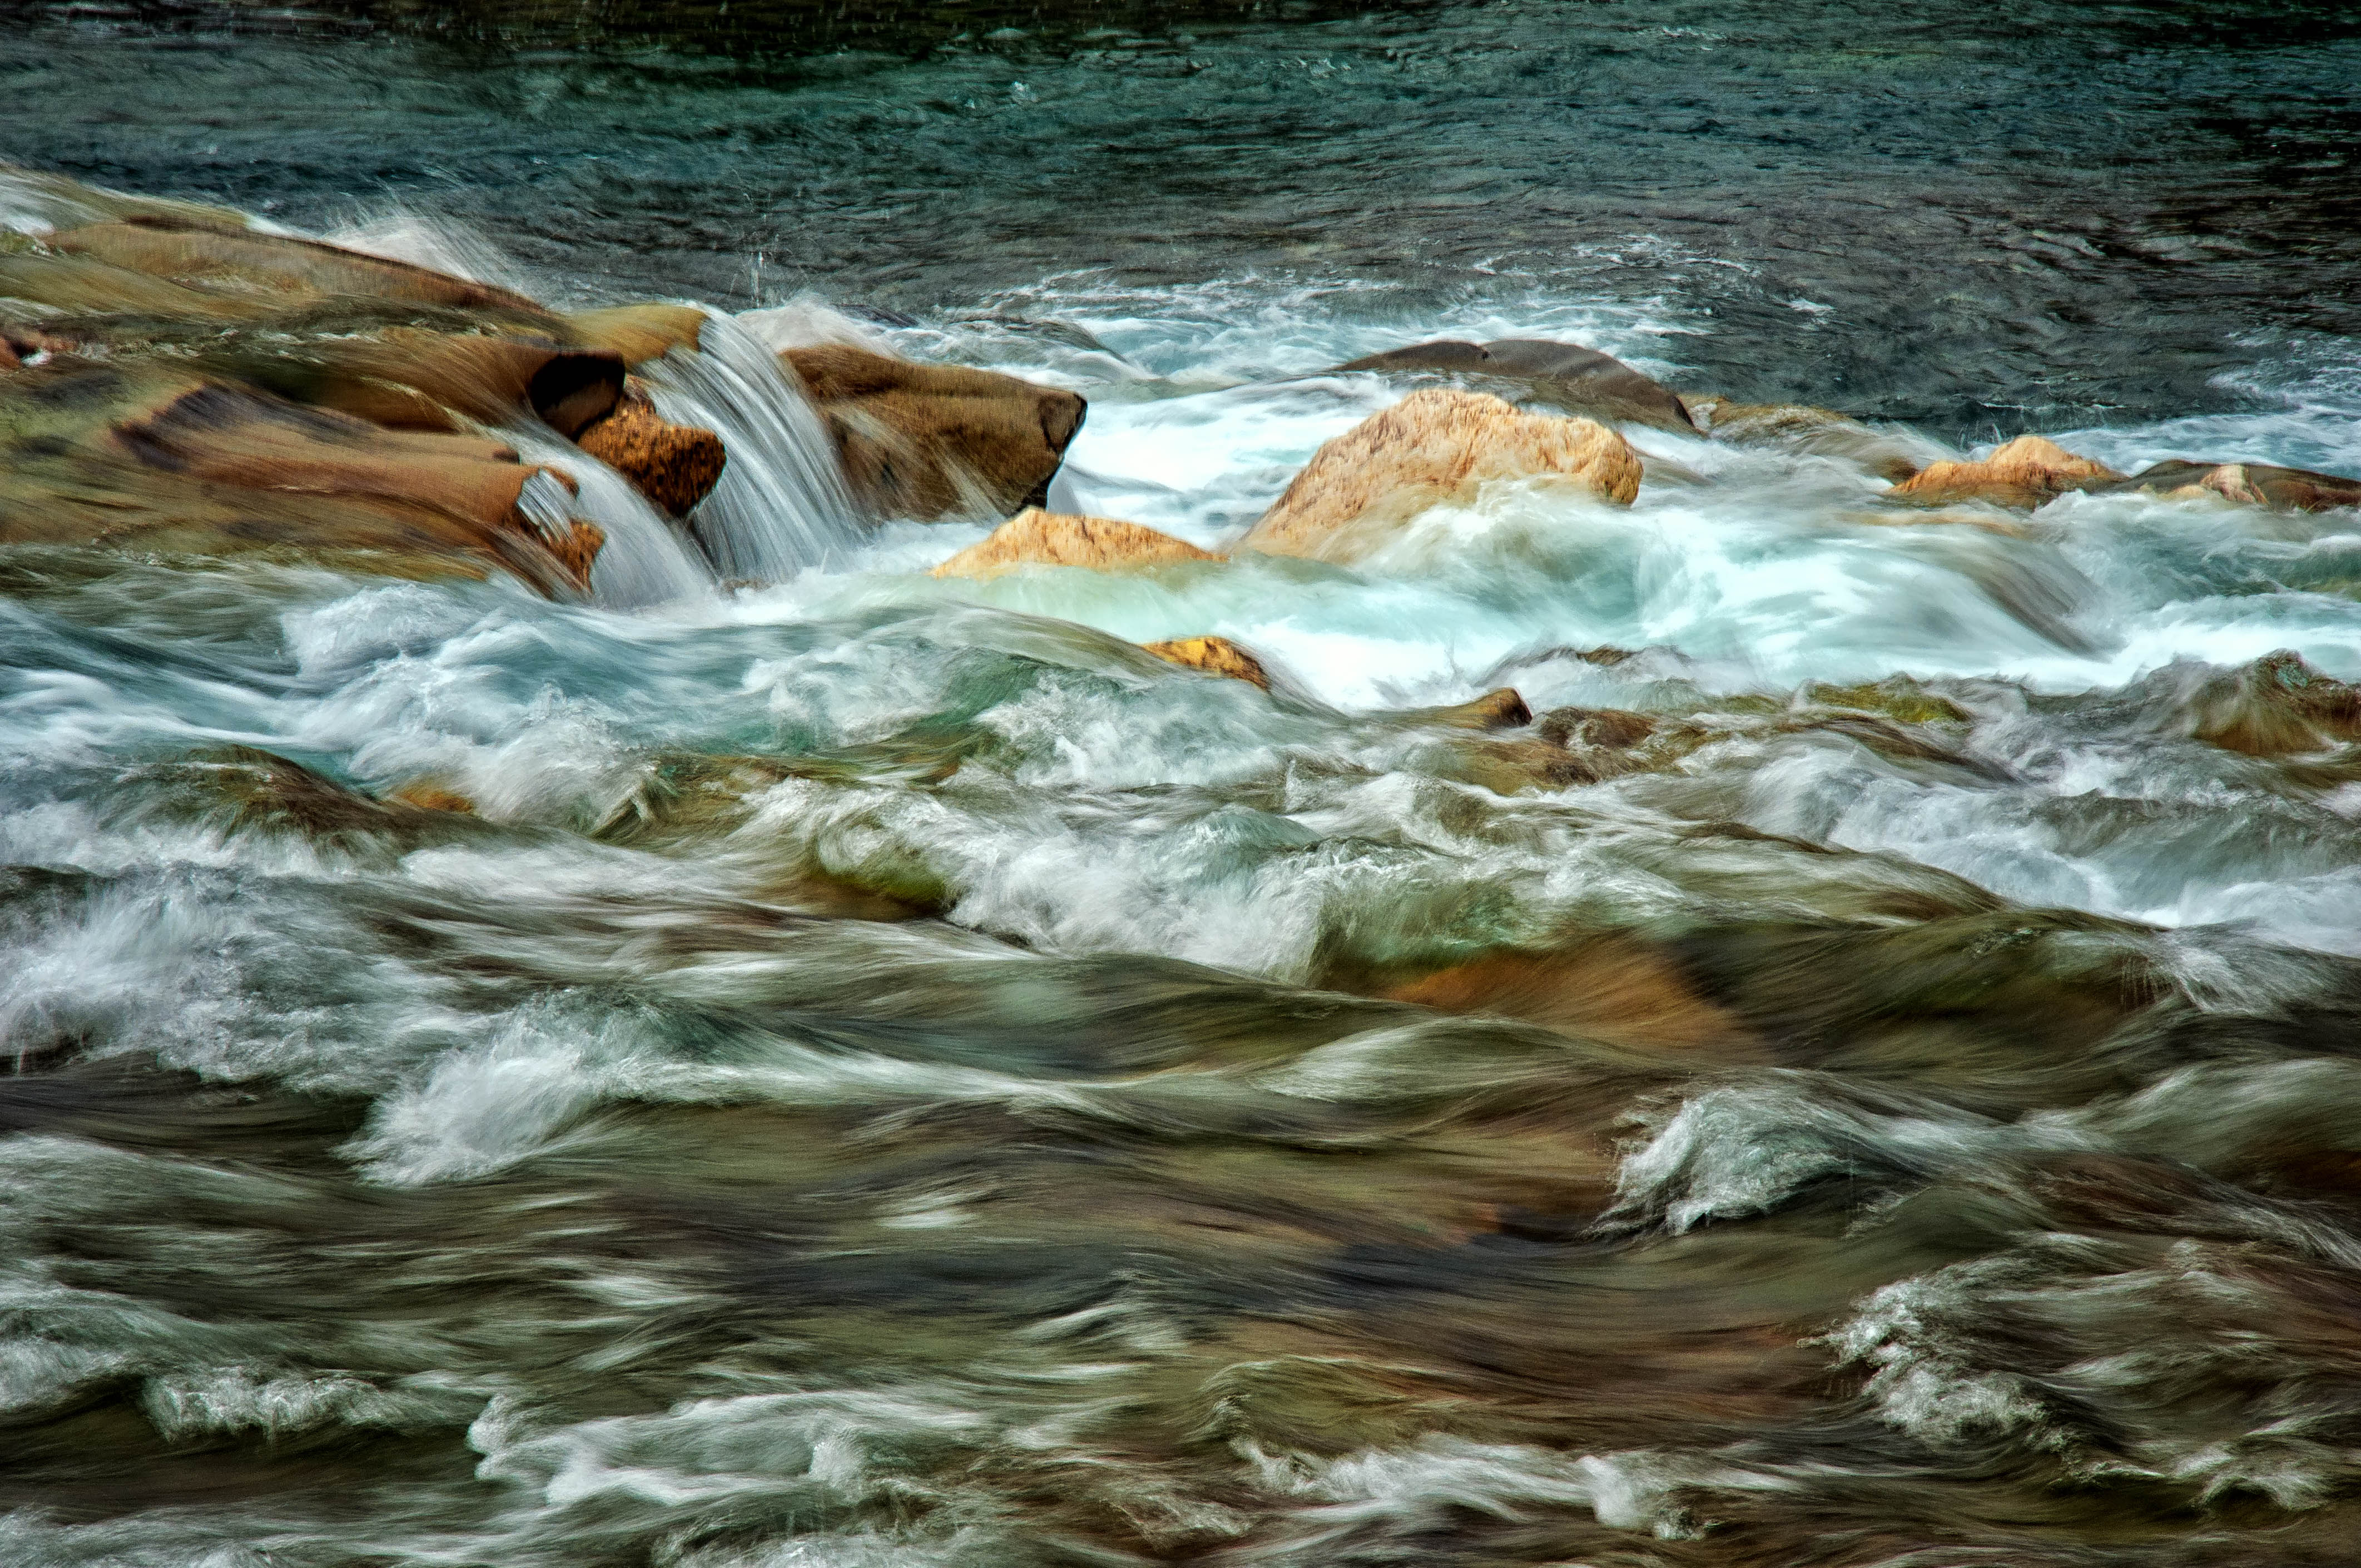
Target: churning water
{"x": 886, "y": 1073}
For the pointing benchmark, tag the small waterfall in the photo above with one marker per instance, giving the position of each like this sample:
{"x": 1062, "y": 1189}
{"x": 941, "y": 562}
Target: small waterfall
{"x": 780, "y": 505}
{"x": 645, "y": 560}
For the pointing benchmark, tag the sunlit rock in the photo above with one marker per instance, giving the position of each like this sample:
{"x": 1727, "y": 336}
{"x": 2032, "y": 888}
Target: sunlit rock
{"x": 1038, "y": 538}
{"x": 937, "y": 440}
{"x": 1215, "y": 656}
{"x": 2024, "y": 473}
{"x": 1566, "y": 375}
{"x": 675, "y": 465}
{"x": 1891, "y": 454}
{"x": 2251, "y": 484}
{"x": 1436, "y": 445}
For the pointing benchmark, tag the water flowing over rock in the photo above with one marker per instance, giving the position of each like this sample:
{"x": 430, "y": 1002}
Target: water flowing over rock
{"x": 2024, "y": 473}
{"x": 1890, "y": 453}
{"x": 937, "y": 440}
{"x": 781, "y": 504}
{"x": 2252, "y": 484}
{"x": 1435, "y": 446}
{"x": 1038, "y": 538}
{"x": 1566, "y": 375}
{"x": 274, "y": 267}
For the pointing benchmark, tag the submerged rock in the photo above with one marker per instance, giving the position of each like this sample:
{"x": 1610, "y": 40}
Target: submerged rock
{"x": 1038, "y": 538}
{"x": 1502, "y": 708}
{"x": 1436, "y": 445}
{"x": 2254, "y": 483}
{"x": 675, "y": 465}
{"x": 2026, "y": 473}
{"x": 2278, "y": 706}
{"x": 1215, "y": 656}
{"x": 1891, "y": 454}
{"x": 1581, "y": 380}
{"x": 937, "y": 440}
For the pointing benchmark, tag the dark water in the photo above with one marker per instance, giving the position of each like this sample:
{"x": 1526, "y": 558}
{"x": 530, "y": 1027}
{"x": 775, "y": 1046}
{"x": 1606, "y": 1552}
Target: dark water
{"x": 889, "y": 1074}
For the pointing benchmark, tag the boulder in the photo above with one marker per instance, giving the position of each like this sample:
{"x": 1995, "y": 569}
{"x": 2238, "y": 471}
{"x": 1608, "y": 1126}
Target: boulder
{"x": 675, "y": 465}
{"x": 2026, "y": 473}
{"x": 1038, "y": 538}
{"x": 1892, "y": 456}
{"x": 1215, "y": 656}
{"x": 2254, "y": 484}
{"x": 937, "y": 440}
{"x": 1436, "y": 445}
{"x": 1580, "y": 380}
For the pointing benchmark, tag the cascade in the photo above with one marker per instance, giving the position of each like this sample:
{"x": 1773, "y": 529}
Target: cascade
{"x": 780, "y": 505}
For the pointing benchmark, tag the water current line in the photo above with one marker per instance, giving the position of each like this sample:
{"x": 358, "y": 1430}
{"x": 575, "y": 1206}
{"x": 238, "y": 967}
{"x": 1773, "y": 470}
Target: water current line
{"x": 780, "y": 505}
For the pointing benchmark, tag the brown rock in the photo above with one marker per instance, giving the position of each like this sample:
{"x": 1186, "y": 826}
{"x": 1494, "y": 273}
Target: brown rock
{"x": 2024, "y": 473}
{"x": 1610, "y": 729}
{"x": 413, "y": 380}
{"x": 192, "y": 253}
{"x": 146, "y": 456}
{"x": 937, "y": 440}
{"x": 1436, "y": 446}
{"x": 675, "y": 465}
{"x": 638, "y": 333}
{"x": 1038, "y": 538}
{"x": 1581, "y": 380}
{"x": 1213, "y": 655}
{"x": 2254, "y": 484}
{"x": 1608, "y": 988}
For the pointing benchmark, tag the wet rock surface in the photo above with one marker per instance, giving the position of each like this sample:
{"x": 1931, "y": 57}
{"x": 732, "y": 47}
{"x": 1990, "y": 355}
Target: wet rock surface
{"x": 936, "y": 441}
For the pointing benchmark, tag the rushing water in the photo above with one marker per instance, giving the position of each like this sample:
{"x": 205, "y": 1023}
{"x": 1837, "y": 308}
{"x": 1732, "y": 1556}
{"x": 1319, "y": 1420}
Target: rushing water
{"x": 888, "y": 1073}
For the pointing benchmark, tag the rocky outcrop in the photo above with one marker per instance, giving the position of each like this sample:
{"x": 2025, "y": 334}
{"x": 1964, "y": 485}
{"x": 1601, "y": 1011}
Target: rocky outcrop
{"x": 2254, "y": 483}
{"x": 1215, "y": 656}
{"x": 1436, "y": 445}
{"x": 937, "y": 440}
{"x": 409, "y": 378}
{"x": 156, "y": 459}
{"x": 1038, "y": 538}
{"x": 273, "y": 268}
{"x": 2026, "y": 473}
{"x": 675, "y": 465}
{"x": 1891, "y": 454}
{"x": 1566, "y": 375}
